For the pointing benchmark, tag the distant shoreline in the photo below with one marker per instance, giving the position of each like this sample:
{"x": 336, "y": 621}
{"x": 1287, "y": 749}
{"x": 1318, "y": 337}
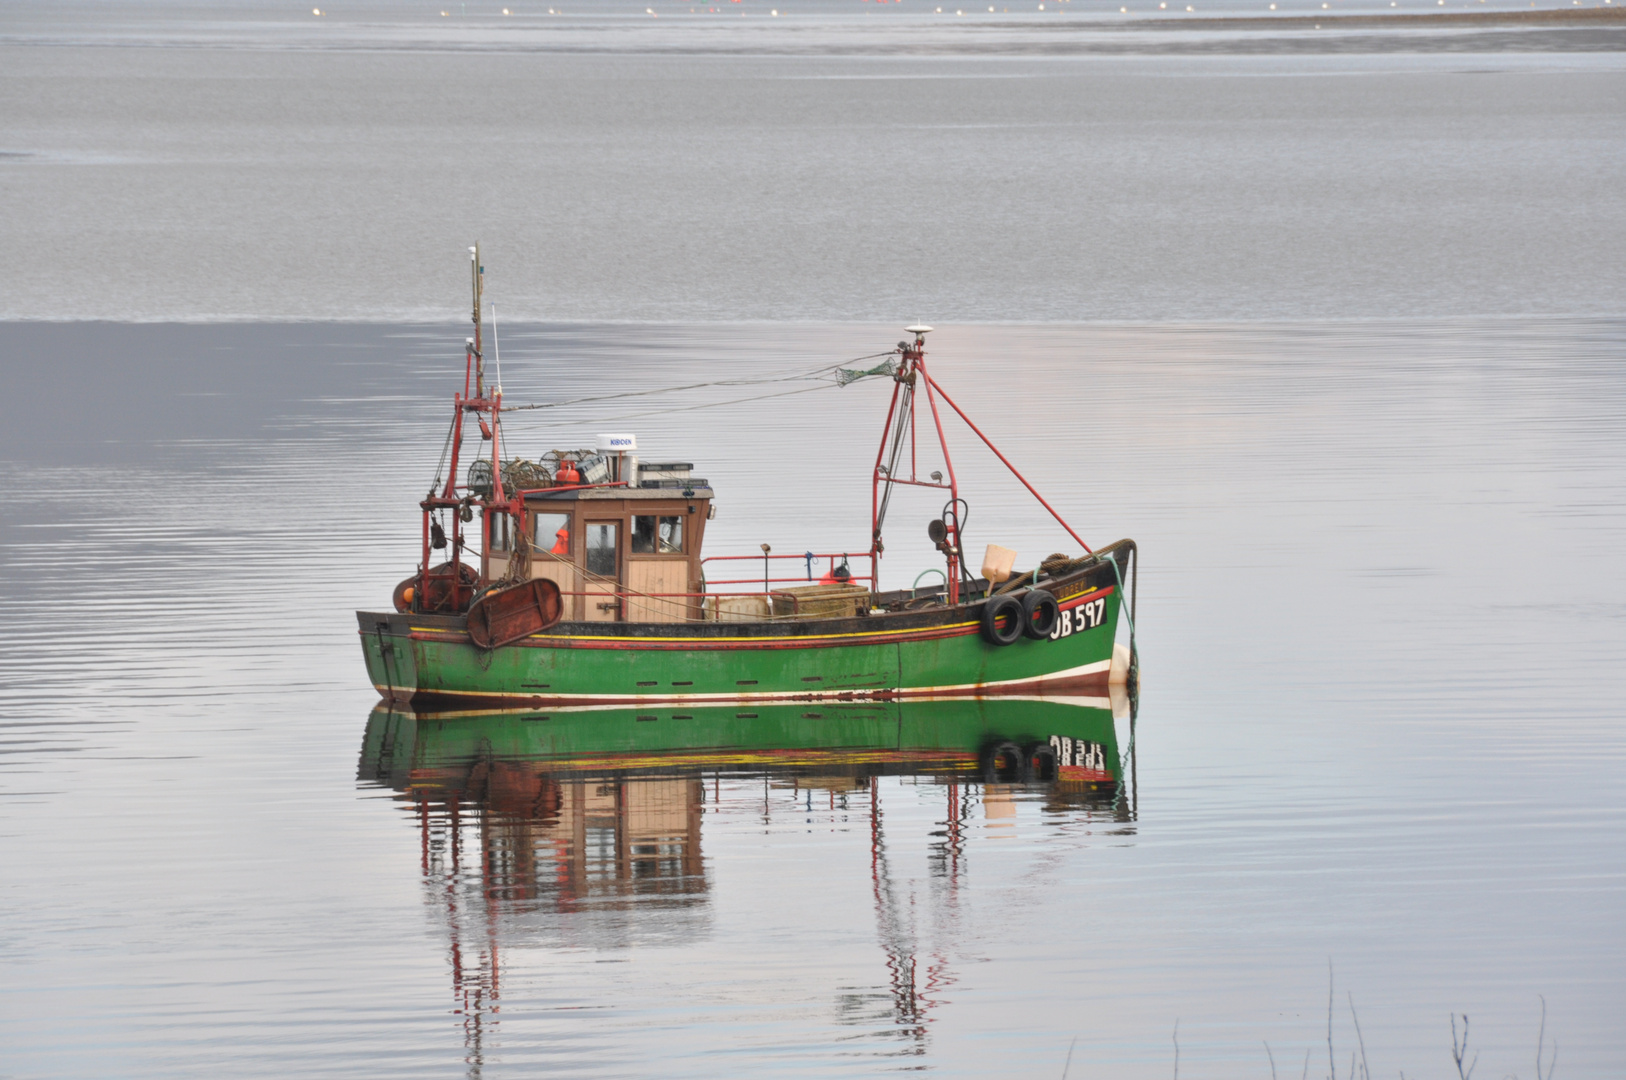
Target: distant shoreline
{"x": 1590, "y": 16}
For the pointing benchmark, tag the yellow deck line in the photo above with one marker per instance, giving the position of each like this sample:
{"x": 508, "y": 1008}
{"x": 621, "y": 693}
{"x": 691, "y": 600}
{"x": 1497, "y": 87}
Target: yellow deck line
{"x": 708, "y": 640}
{"x": 787, "y": 637}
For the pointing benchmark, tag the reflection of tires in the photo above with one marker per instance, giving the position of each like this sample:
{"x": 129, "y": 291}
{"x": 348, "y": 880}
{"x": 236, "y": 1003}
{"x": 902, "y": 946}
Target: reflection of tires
{"x": 1004, "y": 764}
{"x": 1002, "y": 620}
{"x": 1040, "y": 762}
{"x": 1040, "y": 613}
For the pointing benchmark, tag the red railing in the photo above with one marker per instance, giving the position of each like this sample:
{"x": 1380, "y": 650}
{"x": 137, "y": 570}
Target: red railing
{"x": 807, "y": 558}
{"x": 673, "y": 598}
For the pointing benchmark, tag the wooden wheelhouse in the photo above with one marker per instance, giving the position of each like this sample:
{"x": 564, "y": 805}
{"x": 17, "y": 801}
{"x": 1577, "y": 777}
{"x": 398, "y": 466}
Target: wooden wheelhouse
{"x": 617, "y": 554}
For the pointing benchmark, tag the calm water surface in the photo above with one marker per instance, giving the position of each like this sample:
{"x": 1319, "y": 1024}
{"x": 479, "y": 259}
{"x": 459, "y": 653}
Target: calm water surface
{"x": 861, "y": 170}
{"x": 1382, "y": 628}
{"x": 1329, "y": 322}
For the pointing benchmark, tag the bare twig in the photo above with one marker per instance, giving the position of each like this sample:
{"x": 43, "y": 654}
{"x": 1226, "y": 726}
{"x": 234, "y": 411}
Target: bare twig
{"x": 1272, "y": 1061}
{"x": 1305, "y": 1072}
{"x": 1460, "y": 1050}
{"x": 1069, "y": 1063}
{"x": 1177, "y": 1048}
{"x": 1332, "y": 1064}
{"x": 1366, "y": 1073}
{"x": 1541, "y": 1038}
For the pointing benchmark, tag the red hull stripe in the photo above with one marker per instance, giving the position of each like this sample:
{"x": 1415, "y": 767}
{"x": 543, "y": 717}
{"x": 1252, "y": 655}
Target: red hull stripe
{"x": 806, "y": 641}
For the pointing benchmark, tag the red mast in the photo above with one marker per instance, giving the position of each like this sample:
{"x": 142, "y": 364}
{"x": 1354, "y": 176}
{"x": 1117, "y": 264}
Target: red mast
{"x": 900, "y": 427}
{"x": 450, "y": 586}
{"x": 900, "y": 424}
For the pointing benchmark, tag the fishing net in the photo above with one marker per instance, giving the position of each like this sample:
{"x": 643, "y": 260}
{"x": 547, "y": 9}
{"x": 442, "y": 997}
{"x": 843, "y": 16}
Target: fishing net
{"x": 852, "y": 375}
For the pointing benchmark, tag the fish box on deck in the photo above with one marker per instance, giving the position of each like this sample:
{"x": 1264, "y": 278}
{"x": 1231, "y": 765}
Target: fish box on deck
{"x": 835, "y": 601}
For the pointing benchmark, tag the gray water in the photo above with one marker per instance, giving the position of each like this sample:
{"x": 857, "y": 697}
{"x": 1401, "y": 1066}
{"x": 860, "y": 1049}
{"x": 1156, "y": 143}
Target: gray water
{"x": 163, "y": 176}
{"x": 1354, "y": 382}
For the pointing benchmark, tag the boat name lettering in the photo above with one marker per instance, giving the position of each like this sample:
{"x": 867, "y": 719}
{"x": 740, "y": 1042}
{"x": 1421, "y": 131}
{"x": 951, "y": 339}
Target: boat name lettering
{"x": 1076, "y": 753}
{"x": 1088, "y": 616}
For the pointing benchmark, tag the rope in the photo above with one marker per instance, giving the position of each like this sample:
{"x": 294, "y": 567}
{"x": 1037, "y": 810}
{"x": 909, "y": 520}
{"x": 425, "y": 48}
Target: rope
{"x": 1128, "y": 613}
{"x": 815, "y": 373}
{"x": 695, "y": 408}
{"x": 445, "y": 449}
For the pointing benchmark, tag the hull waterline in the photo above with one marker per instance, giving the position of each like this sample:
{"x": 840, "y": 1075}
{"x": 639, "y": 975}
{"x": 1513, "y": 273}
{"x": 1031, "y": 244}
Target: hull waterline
{"x": 431, "y": 661}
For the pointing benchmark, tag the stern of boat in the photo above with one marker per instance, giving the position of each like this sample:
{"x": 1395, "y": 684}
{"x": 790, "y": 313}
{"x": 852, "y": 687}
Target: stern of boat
{"x": 386, "y": 645}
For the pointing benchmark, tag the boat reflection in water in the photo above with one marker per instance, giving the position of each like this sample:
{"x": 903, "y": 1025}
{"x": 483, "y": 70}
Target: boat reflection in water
{"x": 582, "y": 828}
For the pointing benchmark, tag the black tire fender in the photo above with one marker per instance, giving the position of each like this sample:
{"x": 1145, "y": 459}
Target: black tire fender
{"x": 1039, "y": 762}
{"x": 1002, "y": 620}
{"x": 1040, "y": 614}
{"x": 1003, "y": 764}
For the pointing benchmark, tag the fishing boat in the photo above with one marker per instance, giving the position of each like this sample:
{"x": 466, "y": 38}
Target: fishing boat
{"x": 580, "y": 579}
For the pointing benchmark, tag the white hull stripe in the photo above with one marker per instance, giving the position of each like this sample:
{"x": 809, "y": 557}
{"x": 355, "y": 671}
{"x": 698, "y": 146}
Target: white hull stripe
{"x": 1072, "y": 700}
{"x": 625, "y": 701}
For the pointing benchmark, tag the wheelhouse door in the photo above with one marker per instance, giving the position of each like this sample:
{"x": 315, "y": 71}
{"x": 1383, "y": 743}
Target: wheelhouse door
{"x": 603, "y": 566}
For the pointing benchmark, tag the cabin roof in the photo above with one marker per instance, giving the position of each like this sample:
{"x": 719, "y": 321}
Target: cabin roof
{"x": 620, "y": 493}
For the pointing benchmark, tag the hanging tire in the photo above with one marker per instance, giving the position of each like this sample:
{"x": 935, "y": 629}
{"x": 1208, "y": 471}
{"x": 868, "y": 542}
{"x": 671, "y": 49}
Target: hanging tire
{"x": 1040, "y": 762}
{"x": 1040, "y": 614}
{"x": 1002, "y": 620}
{"x": 1003, "y": 764}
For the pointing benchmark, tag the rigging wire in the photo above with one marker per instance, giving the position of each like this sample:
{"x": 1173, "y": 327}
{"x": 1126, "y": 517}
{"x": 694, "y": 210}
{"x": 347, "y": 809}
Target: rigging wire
{"x": 816, "y": 373}
{"x": 704, "y": 405}
{"x": 444, "y": 450}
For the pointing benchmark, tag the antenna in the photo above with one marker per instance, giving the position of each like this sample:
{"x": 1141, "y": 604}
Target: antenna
{"x": 475, "y": 273}
{"x": 496, "y": 346}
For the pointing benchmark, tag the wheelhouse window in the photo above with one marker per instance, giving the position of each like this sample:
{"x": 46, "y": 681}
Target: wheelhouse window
{"x": 657, "y": 534}
{"x": 601, "y": 545}
{"x": 551, "y": 533}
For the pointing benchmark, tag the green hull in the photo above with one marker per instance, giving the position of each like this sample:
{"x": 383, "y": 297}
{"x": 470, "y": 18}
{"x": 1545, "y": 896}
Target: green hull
{"x": 430, "y": 660}
{"x": 962, "y": 736}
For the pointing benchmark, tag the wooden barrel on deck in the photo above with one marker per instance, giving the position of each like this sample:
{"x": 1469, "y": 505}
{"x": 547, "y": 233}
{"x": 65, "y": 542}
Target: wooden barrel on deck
{"x": 504, "y": 616}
